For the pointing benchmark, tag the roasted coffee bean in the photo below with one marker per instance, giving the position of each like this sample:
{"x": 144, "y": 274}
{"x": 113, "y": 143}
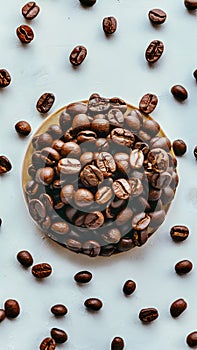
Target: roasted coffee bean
{"x": 93, "y": 304}
{"x": 30, "y": 10}
{"x": 195, "y": 152}
{"x": 76, "y": 108}
{"x": 37, "y": 210}
{"x": 192, "y": 339}
{"x": 60, "y": 227}
{"x": 140, "y": 221}
{"x": 151, "y": 127}
{"x": 23, "y": 128}
{"x": 121, "y": 188}
{"x": 195, "y": 74}
{"x": 179, "y": 92}
{"x": 122, "y": 137}
{"x": 5, "y": 78}
{"x": 112, "y": 236}
{"x": 12, "y": 308}
{"x": 48, "y": 344}
{"x": 154, "y": 194}
{"x": 67, "y": 193}
{"x": 124, "y": 216}
{"x": 183, "y": 267}
{"x": 154, "y": 51}
{"x": 129, "y": 287}
{"x": 179, "y": 147}
{"x": 25, "y": 34}
{"x": 2, "y": 315}
{"x": 160, "y": 142}
{"x": 69, "y": 166}
{"x": 144, "y": 147}
{"x": 25, "y": 258}
{"x": 57, "y": 145}
{"x": 179, "y": 233}
{"x": 167, "y": 195}
{"x": 94, "y": 220}
{"x": 55, "y": 131}
{"x": 136, "y": 159}
{"x": 31, "y": 188}
{"x": 45, "y": 102}
{"x": 161, "y": 180}
{"x": 87, "y": 2}
{"x": 59, "y": 310}
{"x": 45, "y": 175}
{"x": 148, "y": 103}
{"x": 158, "y": 216}
{"x": 105, "y": 162}
{"x": 101, "y": 126}
{"x": 102, "y": 145}
{"x": 136, "y": 186}
{"x": 159, "y": 160}
{"x": 122, "y": 161}
{"x": 115, "y": 117}
{"x": 86, "y": 158}
{"x": 83, "y": 197}
{"x": 70, "y": 149}
{"x": 103, "y": 195}
{"x": 98, "y": 105}
{"x": 133, "y": 120}
{"x": 177, "y": 307}
{"x": 74, "y": 245}
{"x": 50, "y": 156}
{"x": 41, "y": 270}
{"x": 80, "y": 122}
{"x": 157, "y": 16}
{"x": 91, "y": 248}
{"x": 190, "y": 4}
{"x": 78, "y": 55}
{"x": 107, "y": 250}
{"x": 59, "y": 335}
{"x": 0, "y": 222}
{"x": 43, "y": 140}
{"x": 140, "y": 237}
{"x": 65, "y": 120}
{"x": 47, "y": 201}
{"x": 117, "y": 344}
{"x": 125, "y": 244}
{"x": 83, "y": 277}
{"x": 148, "y": 315}
{"x": 109, "y": 25}
{"x": 118, "y": 103}
{"x": 5, "y": 165}
{"x": 91, "y": 176}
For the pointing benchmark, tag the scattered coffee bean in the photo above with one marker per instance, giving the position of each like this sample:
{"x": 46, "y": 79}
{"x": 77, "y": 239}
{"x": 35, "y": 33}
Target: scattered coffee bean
{"x": 30, "y": 10}
{"x": 41, "y": 270}
{"x": 179, "y": 92}
{"x": 129, "y": 287}
{"x": 83, "y": 277}
{"x": 25, "y": 34}
{"x": 5, "y": 78}
{"x": 117, "y": 343}
{"x": 12, "y": 308}
{"x": 179, "y": 147}
{"x": 93, "y": 304}
{"x": 195, "y": 152}
{"x": 59, "y": 335}
{"x": 148, "y": 315}
{"x": 177, "y": 307}
{"x": 154, "y": 51}
{"x": 179, "y": 233}
{"x": 148, "y": 103}
{"x": 0, "y": 222}
{"x": 195, "y": 74}
{"x": 78, "y": 55}
{"x": 59, "y": 310}
{"x": 87, "y": 2}
{"x": 183, "y": 267}
{"x": 157, "y": 16}
{"x": 23, "y": 128}
{"x": 192, "y": 339}
{"x": 190, "y": 4}
{"x": 109, "y": 25}
{"x": 5, "y": 165}
{"x": 25, "y": 258}
{"x": 48, "y": 344}
{"x": 45, "y": 102}
{"x": 2, "y": 315}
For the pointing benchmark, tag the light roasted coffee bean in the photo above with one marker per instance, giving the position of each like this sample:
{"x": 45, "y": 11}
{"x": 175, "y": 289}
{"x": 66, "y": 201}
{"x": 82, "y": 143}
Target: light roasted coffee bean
{"x": 25, "y": 34}
{"x": 91, "y": 176}
{"x": 136, "y": 159}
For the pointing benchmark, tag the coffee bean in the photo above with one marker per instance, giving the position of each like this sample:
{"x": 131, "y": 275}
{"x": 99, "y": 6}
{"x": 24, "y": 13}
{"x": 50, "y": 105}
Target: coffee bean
{"x": 41, "y": 270}
{"x": 190, "y": 4}
{"x": 118, "y": 103}
{"x": 184, "y": 266}
{"x": 148, "y": 315}
{"x": 160, "y": 142}
{"x": 117, "y": 344}
{"x": 98, "y": 105}
{"x": 157, "y": 16}
{"x": 109, "y": 25}
{"x": 91, "y": 248}
{"x": 0, "y": 222}
{"x": 122, "y": 162}
{"x": 86, "y": 158}
{"x": 154, "y": 51}
{"x": 2, "y": 315}
{"x": 83, "y": 197}
{"x": 59, "y": 335}
{"x": 122, "y": 137}
{"x": 136, "y": 186}
{"x": 67, "y": 193}
{"x": 5, "y": 78}
{"x": 83, "y": 277}
{"x": 94, "y": 220}
{"x": 25, "y": 34}
{"x": 80, "y": 122}
{"x": 157, "y": 217}
{"x": 192, "y": 340}
{"x": 103, "y": 195}
{"x": 140, "y": 221}
{"x": 121, "y": 188}
{"x": 148, "y": 103}
{"x": 48, "y": 344}
{"x": 91, "y": 176}
{"x": 55, "y": 131}
{"x": 125, "y": 244}
{"x": 69, "y": 166}
{"x": 59, "y": 310}
{"x": 5, "y": 165}
{"x": 195, "y": 74}
{"x": 151, "y": 127}
{"x": 93, "y": 304}
{"x": 25, "y": 258}
{"x": 100, "y": 125}
{"x": 43, "y": 140}
{"x": 159, "y": 160}
{"x": 23, "y": 128}
{"x": 124, "y": 216}
{"x": 60, "y": 227}
{"x": 78, "y": 55}
{"x": 75, "y": 108}
{"x": 179, "y": 147}
{"x": 179, "y": 233}
{"x": 177, "y": 307}
{"x": 12, "y": 308}
{"x": 70, "y": 149}
{"x": 179, "y": 92}
{"x": 74, "y": 245}
{"x": 105, "y": 162}
{"x": 136, "y": 159}
{"x": 87, "y": 2}
{"x": 45, "y": 175}
{"x": 112, "y": 236}
{"x": 45, "y": 102}
{"x": 129, "y": 287}
{"x": 30, "y": 10}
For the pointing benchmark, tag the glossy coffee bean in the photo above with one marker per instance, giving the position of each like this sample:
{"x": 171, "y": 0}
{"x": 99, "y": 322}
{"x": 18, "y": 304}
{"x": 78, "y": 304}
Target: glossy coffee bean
{"x": 195, "y": 74}
{"x": 94, "y": 220}
{"x": 129, "y": 287}
{"x": 105, "y": 162}
{"x": 70, "y": 149}
{"x": 80, "y": 122}
{"x": 67, "y": 193}
{"x": 48, "y": 344}
{"x": 87, "y": 2}
{"x": 182, "y": 267}
{"x": 59, "y": 335}
{"x": 117, "y": 343}
{"x": 55, "y": 131}
{"x": 140, "y": 221}
{"x": 45, "y": 175}
{"x": 154, "y": 51}
{"x": 157, "y": 16}
{"x": 43, "y": 140}
{"x": 109, "y": 25}
{"x": 98, "y": 105}
{"x": 74, "y": 245}
{"x": 5, "y": 78}
{"x": 179, "y": 233}
{"x": 91, "y": 248}
{"x": 76, "y": 108}
{"x": 190, "y": 4}
{"x": 177, "y": 307}
{"x": 45, "y": 102}
{"x": 41, "y": 270}
{"x": 83, "y": 276}
{"x": 30, "y": 10}
{"x": 5, "y": 165}
{"x": 23, "y": 128}
{"x": 179, "y": 92}
{"x": 2, "y": 315}
{"x": 91, "y": 176}
{"x": 121, "y": 188}
{"x": 78, "y": 55}
{"x": 148, "y": 103}
{"x": 179, "y": 147}
{"x": 140, "y": 237}
{"x": 191, "y": 339}
{"x": 115, "y": 117}
{"x": 25, "y": 258}
{"x": 151, "y": 127}
{"x": 195, "y": 152}
{"x": 100, "y": 125}
{"x": 12, "y": 308}
{"x": 125, "y": 244}
{"x": 25, "y": 34}
{"x": 59, "y": 310}
{"x": 93, "y": 304}
{"x": 148, "y": 315}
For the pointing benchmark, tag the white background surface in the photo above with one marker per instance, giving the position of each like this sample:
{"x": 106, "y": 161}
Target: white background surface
{"x": 115, "y": 66}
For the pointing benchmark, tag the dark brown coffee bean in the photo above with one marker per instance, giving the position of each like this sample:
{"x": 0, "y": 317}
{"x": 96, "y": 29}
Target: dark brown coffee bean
{"x": 45, "y": 175}
{"x": 86, "y": 136}
{"x": 179, "y": 233}
{"x": 86, "y": 158}
{"x": 157, "y": 217}
{"x": 25, "y": 34}
{"x": 80, "y": 122}
{"x": 2, "y": 315}
{"x": 91, "y": 248}
{"x": 136, "y": 186}
{"x": 74, "y": 245}
{"x": 157, "y": 16}
{"x": 41, "y": 270}
{"x": 183, "y": 267}
{"x": 94, "y": 220}
{"x": 69, "y": 166}
{"x": 117, "y": 344}
{"x": 59, "y": 335}
{"x": 101, "y": 126}
{"x": 76, "y": 108}
{"x": 5, "y": 78}
{"x": 195, "y": 152}
{"x": 67, "y": 193}
{"x": 118, "y": 103}
{"x": 177, "y": 307}
{"x": 129, "y": 287}
{"x": 105, "y": 162}
{"x": 83, "y": 197}
{"x": 133, "y": 120}
{"x": 23, "y": 128}
{"x": 195, "y": 74}
{"x": 45, "y": 102}
{"x": 78, "y": 55}
{"x": 148, "y": 103}
{"x": 48, "y": 344}
{"x": 151, "y": 127}
{"x": 121, "y": 188}
{"x": 43, "y": 140}
{"x": 122, "y": 162}
{"x": 57, "y": 145}
{"x": 140, "y": 237}
{"x": 122, "y": 137}
{"x": 124, "y": 216}
{"x": 154, "y": 51}
{"x": 160, "y": 180}
{"x": 25, "y": 258}
{"x": 125, "y": 244}
{"x": 136, "y": 159}
{"x": 12, "y": 308}
{"x": 109, "y": 25}
{"x": 160, "y": 142}
{"x": 179, "y": 147}
{"x": 87, "y": 2}
{"x": 70, "y": 149}
{"x": 190, "y": 4}
{"x": 91, "y": 176}
{"x": 30, "y": 10}
{"x": 55, "y": 131}
{"x": 59, "y": 310}
{"x": 83, "y": 277}
{"x": 192, "y": 339}
{"x": 37, "y": 210}
{"x": 60, "y": 227}
{"x": 179, "y": 92}
{"x": 5, "y": 165}
{"x": 148, "y": 315}
{"x": 112, "y": 236}
{"x": 103, "y": 195}
{"x": 93, "y": 304}
{"x": 115, "y": 117}
{"x": 47, "y": 201}
{"x": 159, "y": 160}
{"x": 140, "y": 221}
